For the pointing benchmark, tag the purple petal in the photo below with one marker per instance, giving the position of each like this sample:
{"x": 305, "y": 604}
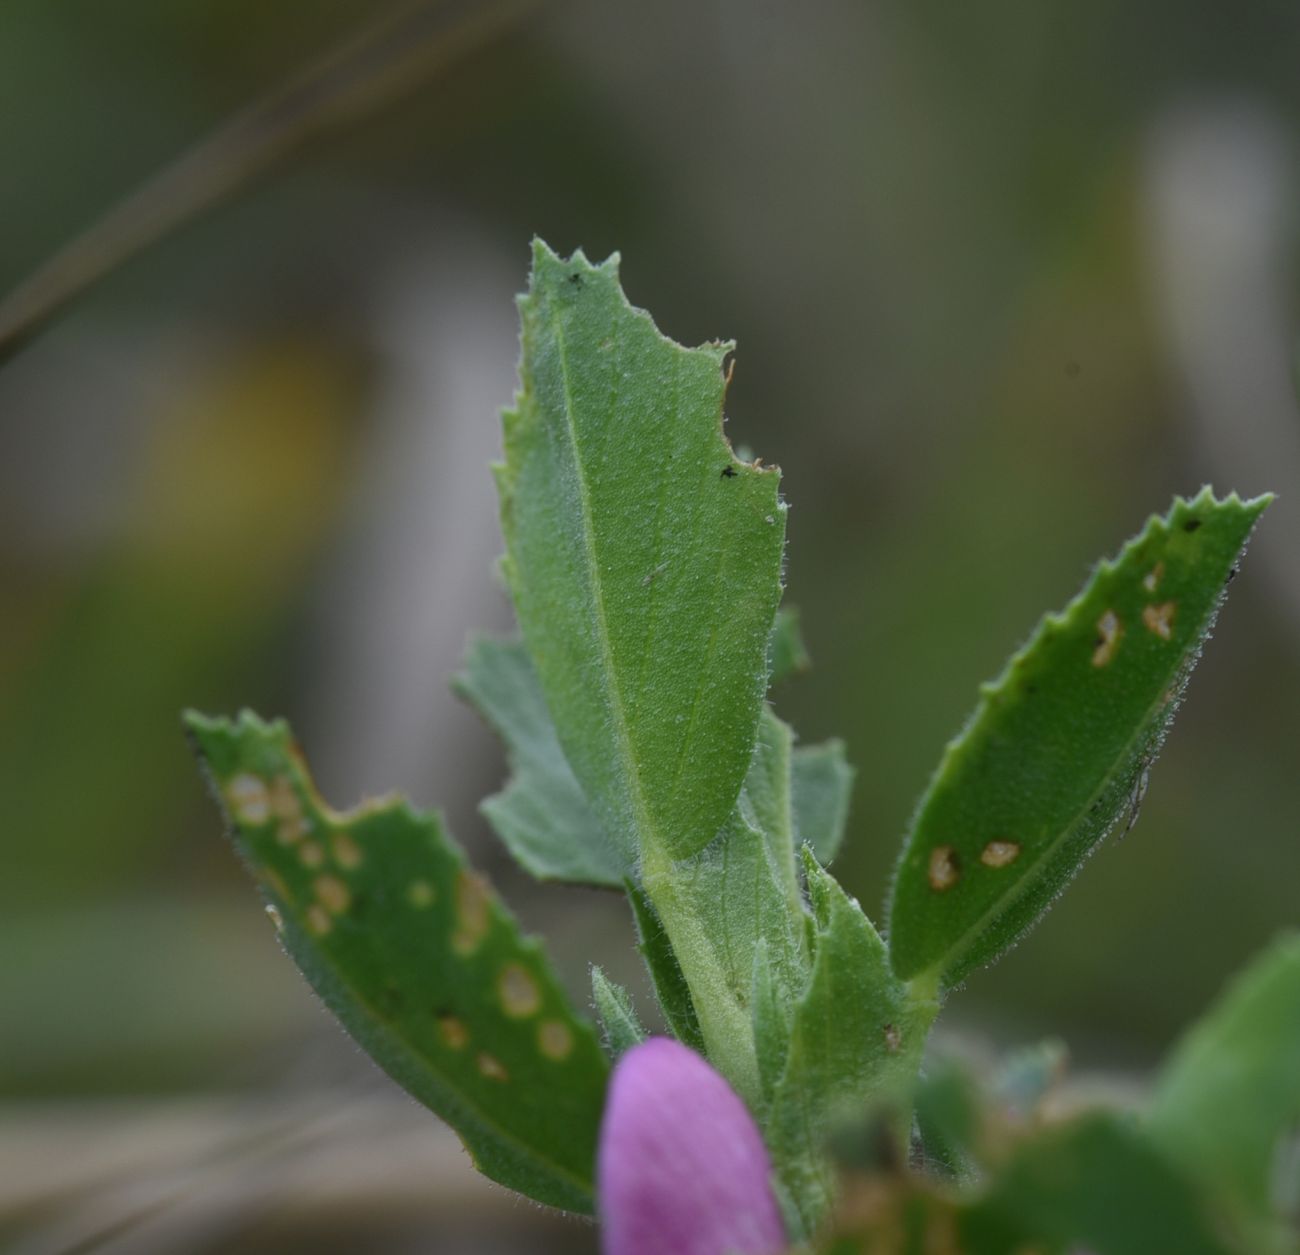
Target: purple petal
{"x": 682, "y": 1168}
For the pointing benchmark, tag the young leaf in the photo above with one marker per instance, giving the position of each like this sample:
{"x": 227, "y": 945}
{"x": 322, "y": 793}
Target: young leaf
{"x": 1094, "y": 1184}
{"x": 1231, "y": 1092}
{"x": 1059, "y": 746}
{"x": 770, "y": 1011}
{"x": 618, "y": 1019}
{"x": 820, "y": 788}
{"x": 665, "y": 972}
{"x": 417, "y": 957}
{"x": 542, "y": 815}
{"x": 787, "y": 655}
{"x": 644, "y": 559}
{"x": 856, "y": 1036}
{"x": 739, "y": 891}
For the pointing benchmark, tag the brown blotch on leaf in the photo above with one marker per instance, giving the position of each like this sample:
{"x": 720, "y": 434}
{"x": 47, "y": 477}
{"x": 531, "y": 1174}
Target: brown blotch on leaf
{"x": 453, "y": 1032}
{"x": 318, "y": 920}
{"x": 248, "y": 798}
{"x": 893, "y": 1038}
{"x": 945, "y": 868}
{"x": 1109, "y": 630}
{"x": 1151, "y": 580}
{"x": 518, "y": 990}
{"x": 472, "y": 902}
{"x": 555, "y": 1040}
{"x": 347, "y": 853}
{"x": 1000, "y": 853}
{"x": 332, "y": 894}
{"x": 1160, "y": 619}
{"x": 491, "y": 1068}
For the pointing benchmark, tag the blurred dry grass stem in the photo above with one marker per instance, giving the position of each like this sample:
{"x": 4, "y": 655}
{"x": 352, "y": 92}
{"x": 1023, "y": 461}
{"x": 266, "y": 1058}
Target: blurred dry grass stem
{"x": 401, "y": 51}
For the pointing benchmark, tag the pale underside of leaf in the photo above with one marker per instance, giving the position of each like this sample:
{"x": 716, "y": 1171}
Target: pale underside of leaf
{"x": 542, "y": 815}
{"x": 417, "y": 957}
{"x": 1059, "y": 747}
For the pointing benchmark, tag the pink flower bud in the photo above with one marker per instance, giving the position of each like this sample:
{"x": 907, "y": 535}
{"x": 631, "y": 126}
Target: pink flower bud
{"x": 682, "y": 1168}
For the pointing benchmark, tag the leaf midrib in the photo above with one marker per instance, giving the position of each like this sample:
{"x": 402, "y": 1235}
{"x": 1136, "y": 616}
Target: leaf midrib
{"x": 641, "y": 815}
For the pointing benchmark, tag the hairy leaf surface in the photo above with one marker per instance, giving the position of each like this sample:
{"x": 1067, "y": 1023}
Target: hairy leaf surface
{"x": 821, "y": 786}
{"x": 618, "y": 1019}
{"x": 671, "y": 989}
{"x": 542, "y": 814}
{"x": 856, "y": 1036}
{"x": 643, "y": 557}
{"x": 741, "y": 891}
{"x": 418, "y": 958}
{"x": 1059, "y": 747}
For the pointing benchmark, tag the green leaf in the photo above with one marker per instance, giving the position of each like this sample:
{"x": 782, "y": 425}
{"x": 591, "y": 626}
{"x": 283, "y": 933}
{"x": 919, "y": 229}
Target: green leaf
{"x": 770, "y": 1011}
{"x": 1058, "y": 748}
{"x": 644, "y": 559}
{"x": 787, "y": 655}
{"x": 665, "y": 972}
{"x": 820, "y": 789}
{"x": 949, "y": 1120}
{"x": 542, "y": 815}
{"x": 856, "y": 1038}
{"x": 1230, "y": 1094}
{"x": 740, "y": 891}
{"x": 1093, "y": 1184}
{"x": 618, "y": 1019}
{"x": 417, "y": 957}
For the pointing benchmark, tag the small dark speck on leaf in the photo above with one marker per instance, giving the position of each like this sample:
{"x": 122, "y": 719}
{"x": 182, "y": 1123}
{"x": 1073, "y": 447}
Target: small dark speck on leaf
{"x": 1191, "y": 525}
{"x": 1232, "y": 574}
{"x": 575, "y": 279}
{"x": 727, "y": 472}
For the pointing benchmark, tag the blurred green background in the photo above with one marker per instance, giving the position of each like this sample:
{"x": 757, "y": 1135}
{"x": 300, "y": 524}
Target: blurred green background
{"x": 1004, "y": 278}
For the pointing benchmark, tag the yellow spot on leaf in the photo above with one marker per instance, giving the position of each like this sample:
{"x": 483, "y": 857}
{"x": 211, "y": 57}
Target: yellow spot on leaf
{"x": 1151, "y": 581}
{"x": 945, "y": 868}
{"x": 471, "y": 912}
{"x": 248, "y": 799}
{"x": 291, "y": 830}
{"x": 1109, "y": 630}
{"x": 1160, "y": 619}
{"x": 554, "y": 1039}
{"x": 333, "y": 894}
{"x": 420, "y": 894}
{"x": 491, "y": 1068}
{"x": 318, "y": 920}
{"x": 518, "y": 990}
{"x": 276, "y": 918}
{"x": 453, "y": 1031}
{"x": 284, "y": 801}
{"x": 1000, "y": 853}
{"x": 311, "y": 854}
{"x": 347, "y": 853}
